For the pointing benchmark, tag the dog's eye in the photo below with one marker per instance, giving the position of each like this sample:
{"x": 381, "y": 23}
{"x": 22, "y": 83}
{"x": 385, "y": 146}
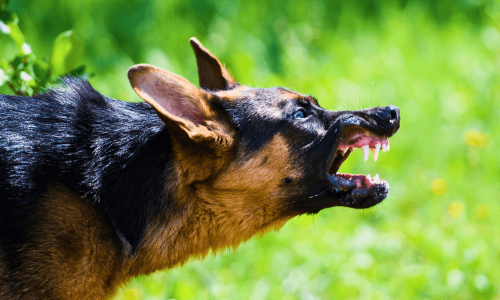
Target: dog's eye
{"x": 300, "y": 114}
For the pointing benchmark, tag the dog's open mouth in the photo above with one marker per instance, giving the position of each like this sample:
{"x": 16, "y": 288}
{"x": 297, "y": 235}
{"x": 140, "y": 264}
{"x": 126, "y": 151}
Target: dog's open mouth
{"x": 360, "y": 191}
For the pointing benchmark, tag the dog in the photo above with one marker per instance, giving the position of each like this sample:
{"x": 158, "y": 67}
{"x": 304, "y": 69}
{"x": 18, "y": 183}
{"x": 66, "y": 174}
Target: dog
{"x": 95, "y": 191}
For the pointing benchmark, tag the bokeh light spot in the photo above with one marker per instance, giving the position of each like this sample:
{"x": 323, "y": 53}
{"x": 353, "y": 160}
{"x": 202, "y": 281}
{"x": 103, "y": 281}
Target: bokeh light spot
{"x": 455, "y": 278}
{"x": 482, "y": 211}
{"x": 474, "y": 138}
{"x": 455, "y": 209}
{"x": 132, "y": 294}
{"x": 438, "y": 186}
{"x": 481, "y": 282}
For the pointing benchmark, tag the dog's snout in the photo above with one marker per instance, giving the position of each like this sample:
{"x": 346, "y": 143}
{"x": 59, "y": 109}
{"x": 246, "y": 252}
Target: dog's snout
{"x": 391, "y": 114}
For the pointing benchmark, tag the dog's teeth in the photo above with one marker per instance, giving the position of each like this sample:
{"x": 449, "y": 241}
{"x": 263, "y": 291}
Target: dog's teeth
{"x": 384, "y": 147}
{"x": 388, "y": 146}
{"x": 353, "y": 149}
{"x": 345, "y": 150}
{"x": 365, "y": 151}
{"x": 368, "y": 177}
{"x": 375, "y": 152}
{"x": 376, "y": 177}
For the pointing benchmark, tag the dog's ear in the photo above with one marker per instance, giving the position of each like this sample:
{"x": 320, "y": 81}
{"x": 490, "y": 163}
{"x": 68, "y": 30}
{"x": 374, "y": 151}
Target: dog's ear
{"x": 179, "y": 103}
{"x": 213, "y": 76}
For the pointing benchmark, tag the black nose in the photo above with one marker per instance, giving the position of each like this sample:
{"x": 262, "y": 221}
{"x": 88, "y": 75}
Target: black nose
{"x": 391, "y": 114}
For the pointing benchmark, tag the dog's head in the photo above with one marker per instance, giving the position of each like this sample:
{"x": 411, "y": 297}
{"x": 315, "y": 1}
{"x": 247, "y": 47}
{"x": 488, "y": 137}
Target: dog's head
{"x": 255, "y": 157}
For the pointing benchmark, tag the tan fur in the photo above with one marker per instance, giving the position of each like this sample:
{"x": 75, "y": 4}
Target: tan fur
{"x": 221, "y": 196}
{"x": 241, "y": 202}
{"x": 233, "y": 94}
{"x": 73, "y": 252}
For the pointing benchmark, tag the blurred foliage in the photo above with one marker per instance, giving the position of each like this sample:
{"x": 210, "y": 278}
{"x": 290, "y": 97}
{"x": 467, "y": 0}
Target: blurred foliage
{"x": 435, "y": 237}
{"x": 25, "y": 74}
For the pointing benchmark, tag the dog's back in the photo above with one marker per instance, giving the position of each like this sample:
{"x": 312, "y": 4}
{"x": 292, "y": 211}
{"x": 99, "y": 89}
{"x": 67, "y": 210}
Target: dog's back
{"x": 54, "y": 148}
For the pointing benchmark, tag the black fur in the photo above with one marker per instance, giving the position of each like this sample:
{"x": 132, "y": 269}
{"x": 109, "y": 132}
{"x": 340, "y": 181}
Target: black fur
{"x": 74, "y": 136}
{"x": 261, "y": 113}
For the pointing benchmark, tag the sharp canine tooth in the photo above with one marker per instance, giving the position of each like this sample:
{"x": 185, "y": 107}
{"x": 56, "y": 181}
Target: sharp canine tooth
{"x": 365, "y": 151}
{"x": 368, "y": 177}
{"x": 375, "y": 152}
{"x": 377, "y": 149}
{"x": 384, "y": 147}
{"x": 376, "y": 177}
{"x": 345, "y": 150}
{"x": 388, "y": 147}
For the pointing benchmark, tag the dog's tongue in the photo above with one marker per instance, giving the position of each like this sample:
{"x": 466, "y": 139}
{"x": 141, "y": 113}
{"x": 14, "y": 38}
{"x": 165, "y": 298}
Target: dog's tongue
{"x": 348, "y": 182}
{"x": 361, "y": 181}
{"x": 342, "y": 184}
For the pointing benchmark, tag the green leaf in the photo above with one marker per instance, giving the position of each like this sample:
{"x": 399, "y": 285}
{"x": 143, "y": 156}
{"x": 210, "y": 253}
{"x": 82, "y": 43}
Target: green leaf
{"x": 18, "y": 62}
{"x": 78, "y": 71}
{"x": 8, "y": 25}
{"x": 4, "y": 65}
{"x": 4, "y": 28}
{"x": 41, "y": 70}
{"x": 3, "y": 4}
{"x": 25, "y": 76}
{"x": 9, "y": 17}
{"x": 67, "y": 52}
{"x": 3, "y": 77}
{"x": 17, "y": 36}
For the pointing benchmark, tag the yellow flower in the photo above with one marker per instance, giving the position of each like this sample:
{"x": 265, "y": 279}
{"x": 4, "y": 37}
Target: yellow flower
{"x": 438, "y": 186}
{"x": 455, "y": 209}
{"x": 474, "y": 138}
{"x": 482, "y": 211}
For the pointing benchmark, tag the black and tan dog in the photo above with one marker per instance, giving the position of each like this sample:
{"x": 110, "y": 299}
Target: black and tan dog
{"x": 94, "y": 191}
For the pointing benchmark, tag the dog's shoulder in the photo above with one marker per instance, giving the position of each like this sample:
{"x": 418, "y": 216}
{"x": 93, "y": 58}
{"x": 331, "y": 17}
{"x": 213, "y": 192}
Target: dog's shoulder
{"x": 75, "y": 137}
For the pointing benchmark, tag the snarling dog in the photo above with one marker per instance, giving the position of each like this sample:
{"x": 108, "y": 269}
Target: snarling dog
{"x": 94, "y": 191}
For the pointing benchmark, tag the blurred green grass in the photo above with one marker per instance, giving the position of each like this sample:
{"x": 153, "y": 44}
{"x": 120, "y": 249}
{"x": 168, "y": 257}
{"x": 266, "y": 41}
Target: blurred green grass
{"x": 435, "y": 237}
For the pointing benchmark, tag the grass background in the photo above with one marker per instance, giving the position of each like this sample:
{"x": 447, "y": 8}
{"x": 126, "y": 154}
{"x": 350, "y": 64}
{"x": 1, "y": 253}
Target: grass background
{"x": 437, "y": 236}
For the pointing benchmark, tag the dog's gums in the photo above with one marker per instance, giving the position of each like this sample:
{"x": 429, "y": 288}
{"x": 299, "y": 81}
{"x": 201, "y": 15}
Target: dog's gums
{"x": 358, "y": 185}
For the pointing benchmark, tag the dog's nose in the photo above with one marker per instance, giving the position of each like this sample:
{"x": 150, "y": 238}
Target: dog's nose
{"x": 391, "y": 114}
